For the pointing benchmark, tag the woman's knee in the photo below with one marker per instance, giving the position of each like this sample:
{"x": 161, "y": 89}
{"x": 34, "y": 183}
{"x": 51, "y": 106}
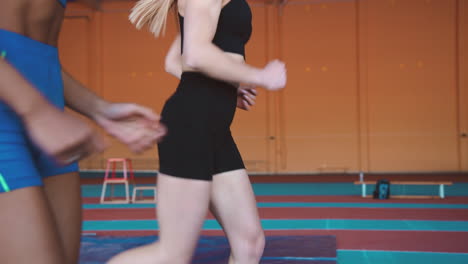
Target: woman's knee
{"x": 259, "y": 244}
{"x": 250, "y": 245}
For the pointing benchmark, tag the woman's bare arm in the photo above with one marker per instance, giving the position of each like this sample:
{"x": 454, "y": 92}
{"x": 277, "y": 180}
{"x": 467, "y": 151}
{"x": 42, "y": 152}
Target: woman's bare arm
{"x": 135, "y": 125}
{"x": 18, "y": 93}
{"x": 81, "y": 99}
{"x": 199, "y": 53}
{"x": 173, "y": 61}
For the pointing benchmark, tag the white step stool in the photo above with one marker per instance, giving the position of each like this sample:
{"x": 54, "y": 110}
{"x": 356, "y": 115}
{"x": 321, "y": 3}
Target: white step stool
{"x": 114, "y": 180}
{"x": 137, "y": 189}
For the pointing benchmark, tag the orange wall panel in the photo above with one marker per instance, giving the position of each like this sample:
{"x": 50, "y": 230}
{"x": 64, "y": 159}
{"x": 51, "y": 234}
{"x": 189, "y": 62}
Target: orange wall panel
{"x": 463, "y": 80}
{"x": 74, "y": 48}
{"x": 319, "y": 47}
{"x": 411, "y": 84}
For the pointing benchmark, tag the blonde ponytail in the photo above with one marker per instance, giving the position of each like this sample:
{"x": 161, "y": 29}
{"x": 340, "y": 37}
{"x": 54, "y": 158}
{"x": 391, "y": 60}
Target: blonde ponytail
{"x": 152, "y": 13}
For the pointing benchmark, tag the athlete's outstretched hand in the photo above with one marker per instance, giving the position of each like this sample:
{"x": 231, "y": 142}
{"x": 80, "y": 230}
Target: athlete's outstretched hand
{"x": 273, "y": 76}
{"x": 136, "y": 126}
{"x": 246, "y": 97}
{"x": 62, "y": 136}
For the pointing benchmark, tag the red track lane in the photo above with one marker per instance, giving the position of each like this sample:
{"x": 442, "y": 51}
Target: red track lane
{"x": 302, "y": 213}
{"x": 336, "y": 199}
{"x": 450, "y": 242}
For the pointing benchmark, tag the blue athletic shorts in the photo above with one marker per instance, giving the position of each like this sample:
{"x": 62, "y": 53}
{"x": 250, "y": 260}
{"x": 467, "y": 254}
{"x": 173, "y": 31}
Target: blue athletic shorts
{"x": 22, "y": 164}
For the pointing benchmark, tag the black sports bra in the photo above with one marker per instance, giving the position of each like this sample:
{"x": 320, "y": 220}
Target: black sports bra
{"x": 234, "y": 27}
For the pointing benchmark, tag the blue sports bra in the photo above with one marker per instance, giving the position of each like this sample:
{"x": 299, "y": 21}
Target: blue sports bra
{"x": 63, "y": 3}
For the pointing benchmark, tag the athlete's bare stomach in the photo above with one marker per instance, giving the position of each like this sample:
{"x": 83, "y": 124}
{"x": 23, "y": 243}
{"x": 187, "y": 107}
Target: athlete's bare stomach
{"x": 37, "y": 19}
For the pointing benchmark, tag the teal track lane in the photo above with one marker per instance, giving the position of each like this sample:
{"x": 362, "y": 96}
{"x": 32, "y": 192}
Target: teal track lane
{"x": 287, "y": 189}
{"x": 286, "y": 224}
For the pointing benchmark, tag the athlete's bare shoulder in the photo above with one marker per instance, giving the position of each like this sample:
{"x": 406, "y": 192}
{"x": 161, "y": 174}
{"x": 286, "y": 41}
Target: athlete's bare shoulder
{"x": 37, "y": 19}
